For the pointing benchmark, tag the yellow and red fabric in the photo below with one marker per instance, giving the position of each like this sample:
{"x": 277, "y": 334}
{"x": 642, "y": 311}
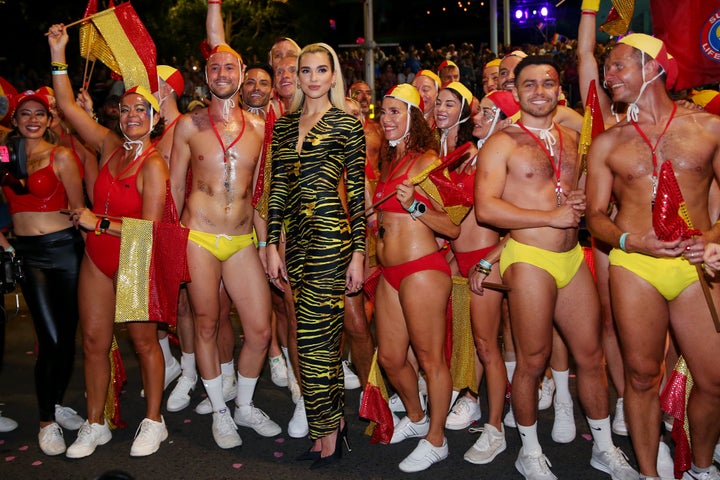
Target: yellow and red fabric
{"x": 673, "y": 400}
{"x": 374, "y": 406}
{"x": 671, "y": 219}
{"x": 118, "y": 38}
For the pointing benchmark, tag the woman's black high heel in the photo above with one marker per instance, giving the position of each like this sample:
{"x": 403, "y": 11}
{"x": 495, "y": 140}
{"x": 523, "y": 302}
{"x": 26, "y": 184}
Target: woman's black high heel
{"x": 337, "y": 454}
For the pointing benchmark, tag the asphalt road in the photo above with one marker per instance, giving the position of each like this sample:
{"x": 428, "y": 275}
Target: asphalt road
{"x": 191, "y": 453}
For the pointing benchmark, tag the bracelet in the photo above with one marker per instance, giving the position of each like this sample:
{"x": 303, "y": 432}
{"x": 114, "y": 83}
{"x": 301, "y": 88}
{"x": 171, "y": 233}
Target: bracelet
{"x": 481, "y": 269}
{"x": 10, "y": 249}
{"x": 484, "y": 263}
{"x": 59, "y": 72}
{"x": 589, "y": 12}
{"x": 97, "y": 227}
{"x": 261, "y": 244}
{"x": 214, "y": 2}
{"x": 623, "y": 238}
{"x": 58, "y": 66}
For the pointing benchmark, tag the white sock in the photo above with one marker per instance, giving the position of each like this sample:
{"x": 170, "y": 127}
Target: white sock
{"x": 697, "y": 469}
{"x": 213, "y": 387}
{"x": 562, "y": 386}
{"x": 228, "y": 369}
{"x": 600, "y": 430}
{"x": 187, "y": 364}
{"x": 165, "y": 347}
{"x": 510, "y": 367}
{"x": 529, "y": 438}
{"x": 291, "y": 372}
{"x": 245, "y": 390}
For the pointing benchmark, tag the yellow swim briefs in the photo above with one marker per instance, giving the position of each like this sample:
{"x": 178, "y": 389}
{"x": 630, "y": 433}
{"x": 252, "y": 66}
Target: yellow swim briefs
{"x": 220, "y": 245}
{"x": 669, "y": 276}
{"x": 562, "y": 266}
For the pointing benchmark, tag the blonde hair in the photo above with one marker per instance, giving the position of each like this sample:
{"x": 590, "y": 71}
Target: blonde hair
{"x": 337, "y": 90}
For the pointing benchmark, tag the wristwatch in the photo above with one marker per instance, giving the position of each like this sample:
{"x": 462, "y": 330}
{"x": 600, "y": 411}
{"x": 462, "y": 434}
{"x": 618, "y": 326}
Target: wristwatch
{"x": 417, "y": 209}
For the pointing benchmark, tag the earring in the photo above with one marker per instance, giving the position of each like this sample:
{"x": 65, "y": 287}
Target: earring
{"x": 332, "y": 85}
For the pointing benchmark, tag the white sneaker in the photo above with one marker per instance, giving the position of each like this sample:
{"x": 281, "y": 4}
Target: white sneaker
{"x": 487, "y": 447}
{"x": 179, "y": 398}
{"x": 172, "y": 372}
{"x": 613, "y": 462}
{"x": 51, "y": 441}
{"x": 7, "y": 424}
{"x": 406, "y": 428}
{"x": 278, "y": 371}
{"x": 465, "y": 412}
{"x": 563, "y": 430}
{"x": 298, "y": 426}
{"x": 665, "y": 463}
{"x": 90, "y": 436}
{"x": 224, "y": 430}
{"x": 396, "y": 404}
{"x": 352, "y": 381}
{"x": 252, "y": 417}
{"x": 546, "y": 393}
{"x": 712, "y": 474}
{"x": 424, "y": 455}
{"x": 68, "y": 418}
{"x": 148, "y": 437}
{"x": 229, "y": 388}
{"x": 534, "y": 466}
{"x": 509, "y": 420}
{"x": 618, "y": 424}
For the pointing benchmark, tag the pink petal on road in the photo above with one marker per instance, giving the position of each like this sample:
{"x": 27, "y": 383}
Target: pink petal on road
{"x": 9, "y": 459}
{"x": 187, "y": 420}
{"x": 237, "y": 465}
{"x": 23, "y": 448}
{"x": 36, "y": 463}
{"x": 587, "y": 437}
{"x": 279, "y": 440}
{"x": 278, "y": 454}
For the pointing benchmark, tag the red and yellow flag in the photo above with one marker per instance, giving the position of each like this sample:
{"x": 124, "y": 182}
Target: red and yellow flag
{"x": 673, "y": 400}
{"x": 374, "y": 406}
{"x": 153, "y": 264}
{"x": 436, "y": 183}
{"x": 118, "y": 38}
{"x": 671, "y": 219}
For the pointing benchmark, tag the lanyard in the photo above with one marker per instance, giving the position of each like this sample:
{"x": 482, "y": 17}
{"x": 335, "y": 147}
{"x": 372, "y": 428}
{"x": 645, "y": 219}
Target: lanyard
{"x": 557, "y": 166}
{"x": 226, "y": 150}
{"x": 653, "y": 149}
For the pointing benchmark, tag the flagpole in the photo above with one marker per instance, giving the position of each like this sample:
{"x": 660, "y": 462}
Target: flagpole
{"x": 85, "y": 19}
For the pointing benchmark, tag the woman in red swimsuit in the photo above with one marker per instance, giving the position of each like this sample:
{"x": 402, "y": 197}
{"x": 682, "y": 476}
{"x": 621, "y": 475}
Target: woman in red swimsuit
{"x": 472, "y": 249}
{"x": 131, "y": 183}
{"x": 51, "y": 250}
{"x": 415, "y": 284}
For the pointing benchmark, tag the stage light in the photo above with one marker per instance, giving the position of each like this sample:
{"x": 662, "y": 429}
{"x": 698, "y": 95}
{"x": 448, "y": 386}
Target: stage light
{"x": 518, "y": 14}
{"x": 544, "y": 11}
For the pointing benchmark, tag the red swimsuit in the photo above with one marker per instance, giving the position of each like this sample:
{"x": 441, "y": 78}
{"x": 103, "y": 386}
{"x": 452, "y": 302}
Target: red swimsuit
{"x": 395, "y": 274}
{"x": 46, "y": 192}
{"x": 116, "y": 197}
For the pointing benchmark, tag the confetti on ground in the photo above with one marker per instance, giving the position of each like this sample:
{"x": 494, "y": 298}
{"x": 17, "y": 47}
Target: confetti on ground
{"x": 36, "y": 463}
{"x": 587, "y": 437}
{"x": 187, "y": 420}
{"x": 237, "y": 465}
{"x": 278, "y": 454}
{"x": 279, "y": 440}
{"x": 23, "y": 448}
{"x": 9, "y": 459}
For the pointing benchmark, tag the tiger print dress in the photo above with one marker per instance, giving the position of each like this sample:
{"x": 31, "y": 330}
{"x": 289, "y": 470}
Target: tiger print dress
{"x": 321, "y": 237}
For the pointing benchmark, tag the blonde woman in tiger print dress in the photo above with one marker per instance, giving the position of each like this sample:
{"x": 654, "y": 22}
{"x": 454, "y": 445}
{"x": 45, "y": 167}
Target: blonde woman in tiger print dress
{"x": 313, "y": 147}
